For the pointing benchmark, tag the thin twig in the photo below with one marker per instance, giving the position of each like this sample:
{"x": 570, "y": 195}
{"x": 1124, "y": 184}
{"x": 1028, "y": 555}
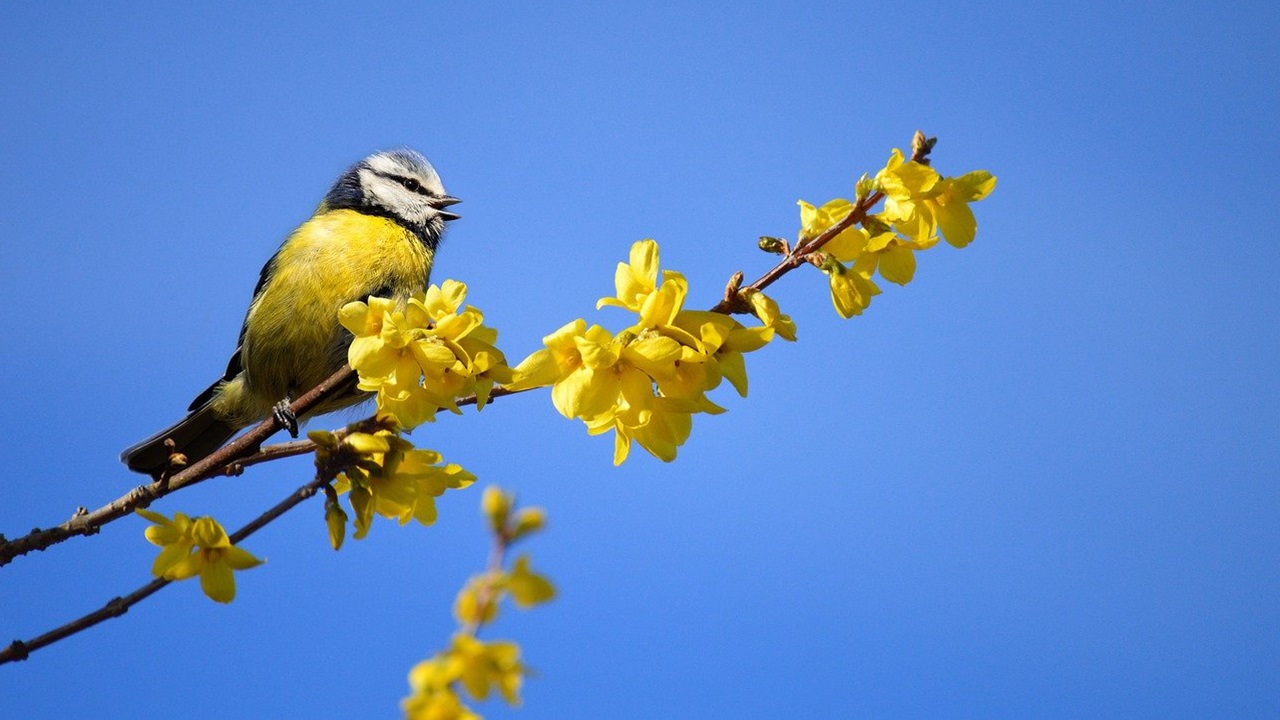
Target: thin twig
{"x": 487, "y": 595}
{"x": 21, "y": 649}
{"x": 88, "y": 523}
{"x": 269, "y": 453}
{"x": 735, "y": 301}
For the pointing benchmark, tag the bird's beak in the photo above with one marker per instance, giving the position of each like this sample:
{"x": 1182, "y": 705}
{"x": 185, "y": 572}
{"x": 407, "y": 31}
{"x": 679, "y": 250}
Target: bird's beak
{"x": 443, "y": 202}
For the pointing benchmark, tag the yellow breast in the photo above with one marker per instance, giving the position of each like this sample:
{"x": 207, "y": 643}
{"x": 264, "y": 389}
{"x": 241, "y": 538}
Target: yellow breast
{"x": 292, "y": 337}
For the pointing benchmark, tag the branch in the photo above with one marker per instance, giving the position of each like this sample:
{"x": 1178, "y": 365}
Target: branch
{"x": 242, "y": 452}
{"x": 219, "y": 463}
{"x": 735, "y": 301}
{"x": 487, "y": 595}
{"x": 20, "y": 649}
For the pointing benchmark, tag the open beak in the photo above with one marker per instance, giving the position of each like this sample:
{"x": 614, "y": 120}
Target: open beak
{"x": 443, "y": 202}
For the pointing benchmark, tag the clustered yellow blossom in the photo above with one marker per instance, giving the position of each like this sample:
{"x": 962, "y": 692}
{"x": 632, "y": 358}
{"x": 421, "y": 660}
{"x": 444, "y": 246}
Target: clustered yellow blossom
{"x": 646, "y": 382}
{"x": 385, "y": 474}
{"x": 198, "y": 546}
{"x": 477, "y": 665}
{"x": 470, "y": 664}
{"x": 423, "y": 355}
{"x": 918, "y": 204}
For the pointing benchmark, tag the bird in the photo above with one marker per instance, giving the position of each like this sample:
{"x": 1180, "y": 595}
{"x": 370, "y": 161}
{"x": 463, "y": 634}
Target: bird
{"x": 374, "y": 234}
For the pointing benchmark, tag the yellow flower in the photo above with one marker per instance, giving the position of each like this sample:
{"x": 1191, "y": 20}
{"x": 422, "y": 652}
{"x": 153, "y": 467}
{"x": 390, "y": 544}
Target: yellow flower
{"x": 423, "y": 356}
{"x": 481, "y": 666}
{"x": 851, "y": 290}
{"x": 433, "y": 698}
{"x": 907, "y": 186}
{"x": 589, "y": 369}
{"x": 371, "y": 352}
{"x": 477, "y": 601}
{"x": 388, "y": 476}
{"x": 563, "y": 365}
{"x": 197, "y": 547}
{"x": 443, "y": 300}
{"x": 527, "y": 587}
{"x": 660, "y": 428}
{"x": 173, "y": 537}
{"x": 413, "y": 483}
{"x": 816, "y": 220}
{"x": 712, "y": 345}
{"x": 766, "y": 308}
{"x": 645, "y": 383}
{"x": 918, "y": 201}
{"x": 849, "y": 245}
{"x": 951, "y": 206}
{"x": 638, "y": 291}
{"x": 893, "y": 256}
{"x": 440, "y": 704}
{"x": 636, "y": 279}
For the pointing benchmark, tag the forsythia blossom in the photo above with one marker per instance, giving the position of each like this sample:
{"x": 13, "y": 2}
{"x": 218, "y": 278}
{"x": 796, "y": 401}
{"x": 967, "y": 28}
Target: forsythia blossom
{"x": 199, "y": 546}
{"x": 385, "y": 474}
{"x": 422, "y": 356}
{"x": 470, "y": 664}
{"x": 919, "y": 201}
{"x": 918, "y": 204}
{"x": 476, "y": 665}
{"x": 645, "y": 383}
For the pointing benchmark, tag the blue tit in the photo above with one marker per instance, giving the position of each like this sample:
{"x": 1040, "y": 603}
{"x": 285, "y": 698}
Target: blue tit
{"x": 375, "y": 233}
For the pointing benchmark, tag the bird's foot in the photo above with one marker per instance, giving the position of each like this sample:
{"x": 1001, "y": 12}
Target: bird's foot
{"x": 284, "y": 415}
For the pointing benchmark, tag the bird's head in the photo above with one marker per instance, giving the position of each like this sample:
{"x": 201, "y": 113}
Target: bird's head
{"x": 398, "y": 184}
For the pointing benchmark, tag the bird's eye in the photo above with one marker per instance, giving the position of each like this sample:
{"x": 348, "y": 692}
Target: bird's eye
{"x": 411, "y": 184}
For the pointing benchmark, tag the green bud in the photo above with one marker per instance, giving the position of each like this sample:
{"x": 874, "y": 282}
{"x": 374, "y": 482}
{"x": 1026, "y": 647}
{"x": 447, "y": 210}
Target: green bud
{"x": 831, "y": 266}
{"x": 875, "y": 226}
{"x": 336, "y": 519}
{"x": 866, "y": 185}
{"x": 773, "y": 245}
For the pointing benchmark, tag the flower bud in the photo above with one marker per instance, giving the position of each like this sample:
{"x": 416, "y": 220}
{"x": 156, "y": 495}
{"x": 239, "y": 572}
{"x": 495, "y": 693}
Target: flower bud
{"x": 336, "y": 519}
{"x": 866, "y": 185}
{"x": 874, "y": 225}
{"x": 774, "y": 245}
{"x": 528, "y": 521}
{"x": 496, "y": 505}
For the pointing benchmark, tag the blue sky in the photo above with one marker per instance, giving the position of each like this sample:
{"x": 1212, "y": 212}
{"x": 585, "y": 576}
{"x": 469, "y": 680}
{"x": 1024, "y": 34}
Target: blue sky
{"x": 1040, "y": 481}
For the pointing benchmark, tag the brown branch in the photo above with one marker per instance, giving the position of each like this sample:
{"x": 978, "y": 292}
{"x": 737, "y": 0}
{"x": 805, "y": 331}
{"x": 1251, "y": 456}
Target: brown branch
{"x": 271, "y": 452}
{"x": 21, "y": 649}
{"x": 487, "y": 595}
{"x": 735, "y": 301}
{"x": 245, "y": 446}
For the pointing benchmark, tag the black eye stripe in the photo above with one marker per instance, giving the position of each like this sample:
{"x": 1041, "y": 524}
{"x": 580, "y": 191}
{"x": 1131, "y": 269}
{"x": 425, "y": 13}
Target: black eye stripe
{"x": 410, "y": 184}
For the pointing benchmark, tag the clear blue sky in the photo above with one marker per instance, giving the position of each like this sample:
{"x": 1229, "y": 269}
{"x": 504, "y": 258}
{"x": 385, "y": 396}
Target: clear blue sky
{"x": 1041, "y": 481}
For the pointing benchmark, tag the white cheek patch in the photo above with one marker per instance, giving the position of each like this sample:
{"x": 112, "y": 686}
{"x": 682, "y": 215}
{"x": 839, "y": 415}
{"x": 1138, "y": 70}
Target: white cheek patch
{"x": 393, "y": 196}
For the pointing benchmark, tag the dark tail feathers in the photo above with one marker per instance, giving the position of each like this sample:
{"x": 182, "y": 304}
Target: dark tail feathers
{"x": 196, "y": 436}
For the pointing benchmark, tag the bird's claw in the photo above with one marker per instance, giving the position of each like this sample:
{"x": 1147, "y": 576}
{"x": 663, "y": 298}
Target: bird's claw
{"x": 284, "y": 415}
